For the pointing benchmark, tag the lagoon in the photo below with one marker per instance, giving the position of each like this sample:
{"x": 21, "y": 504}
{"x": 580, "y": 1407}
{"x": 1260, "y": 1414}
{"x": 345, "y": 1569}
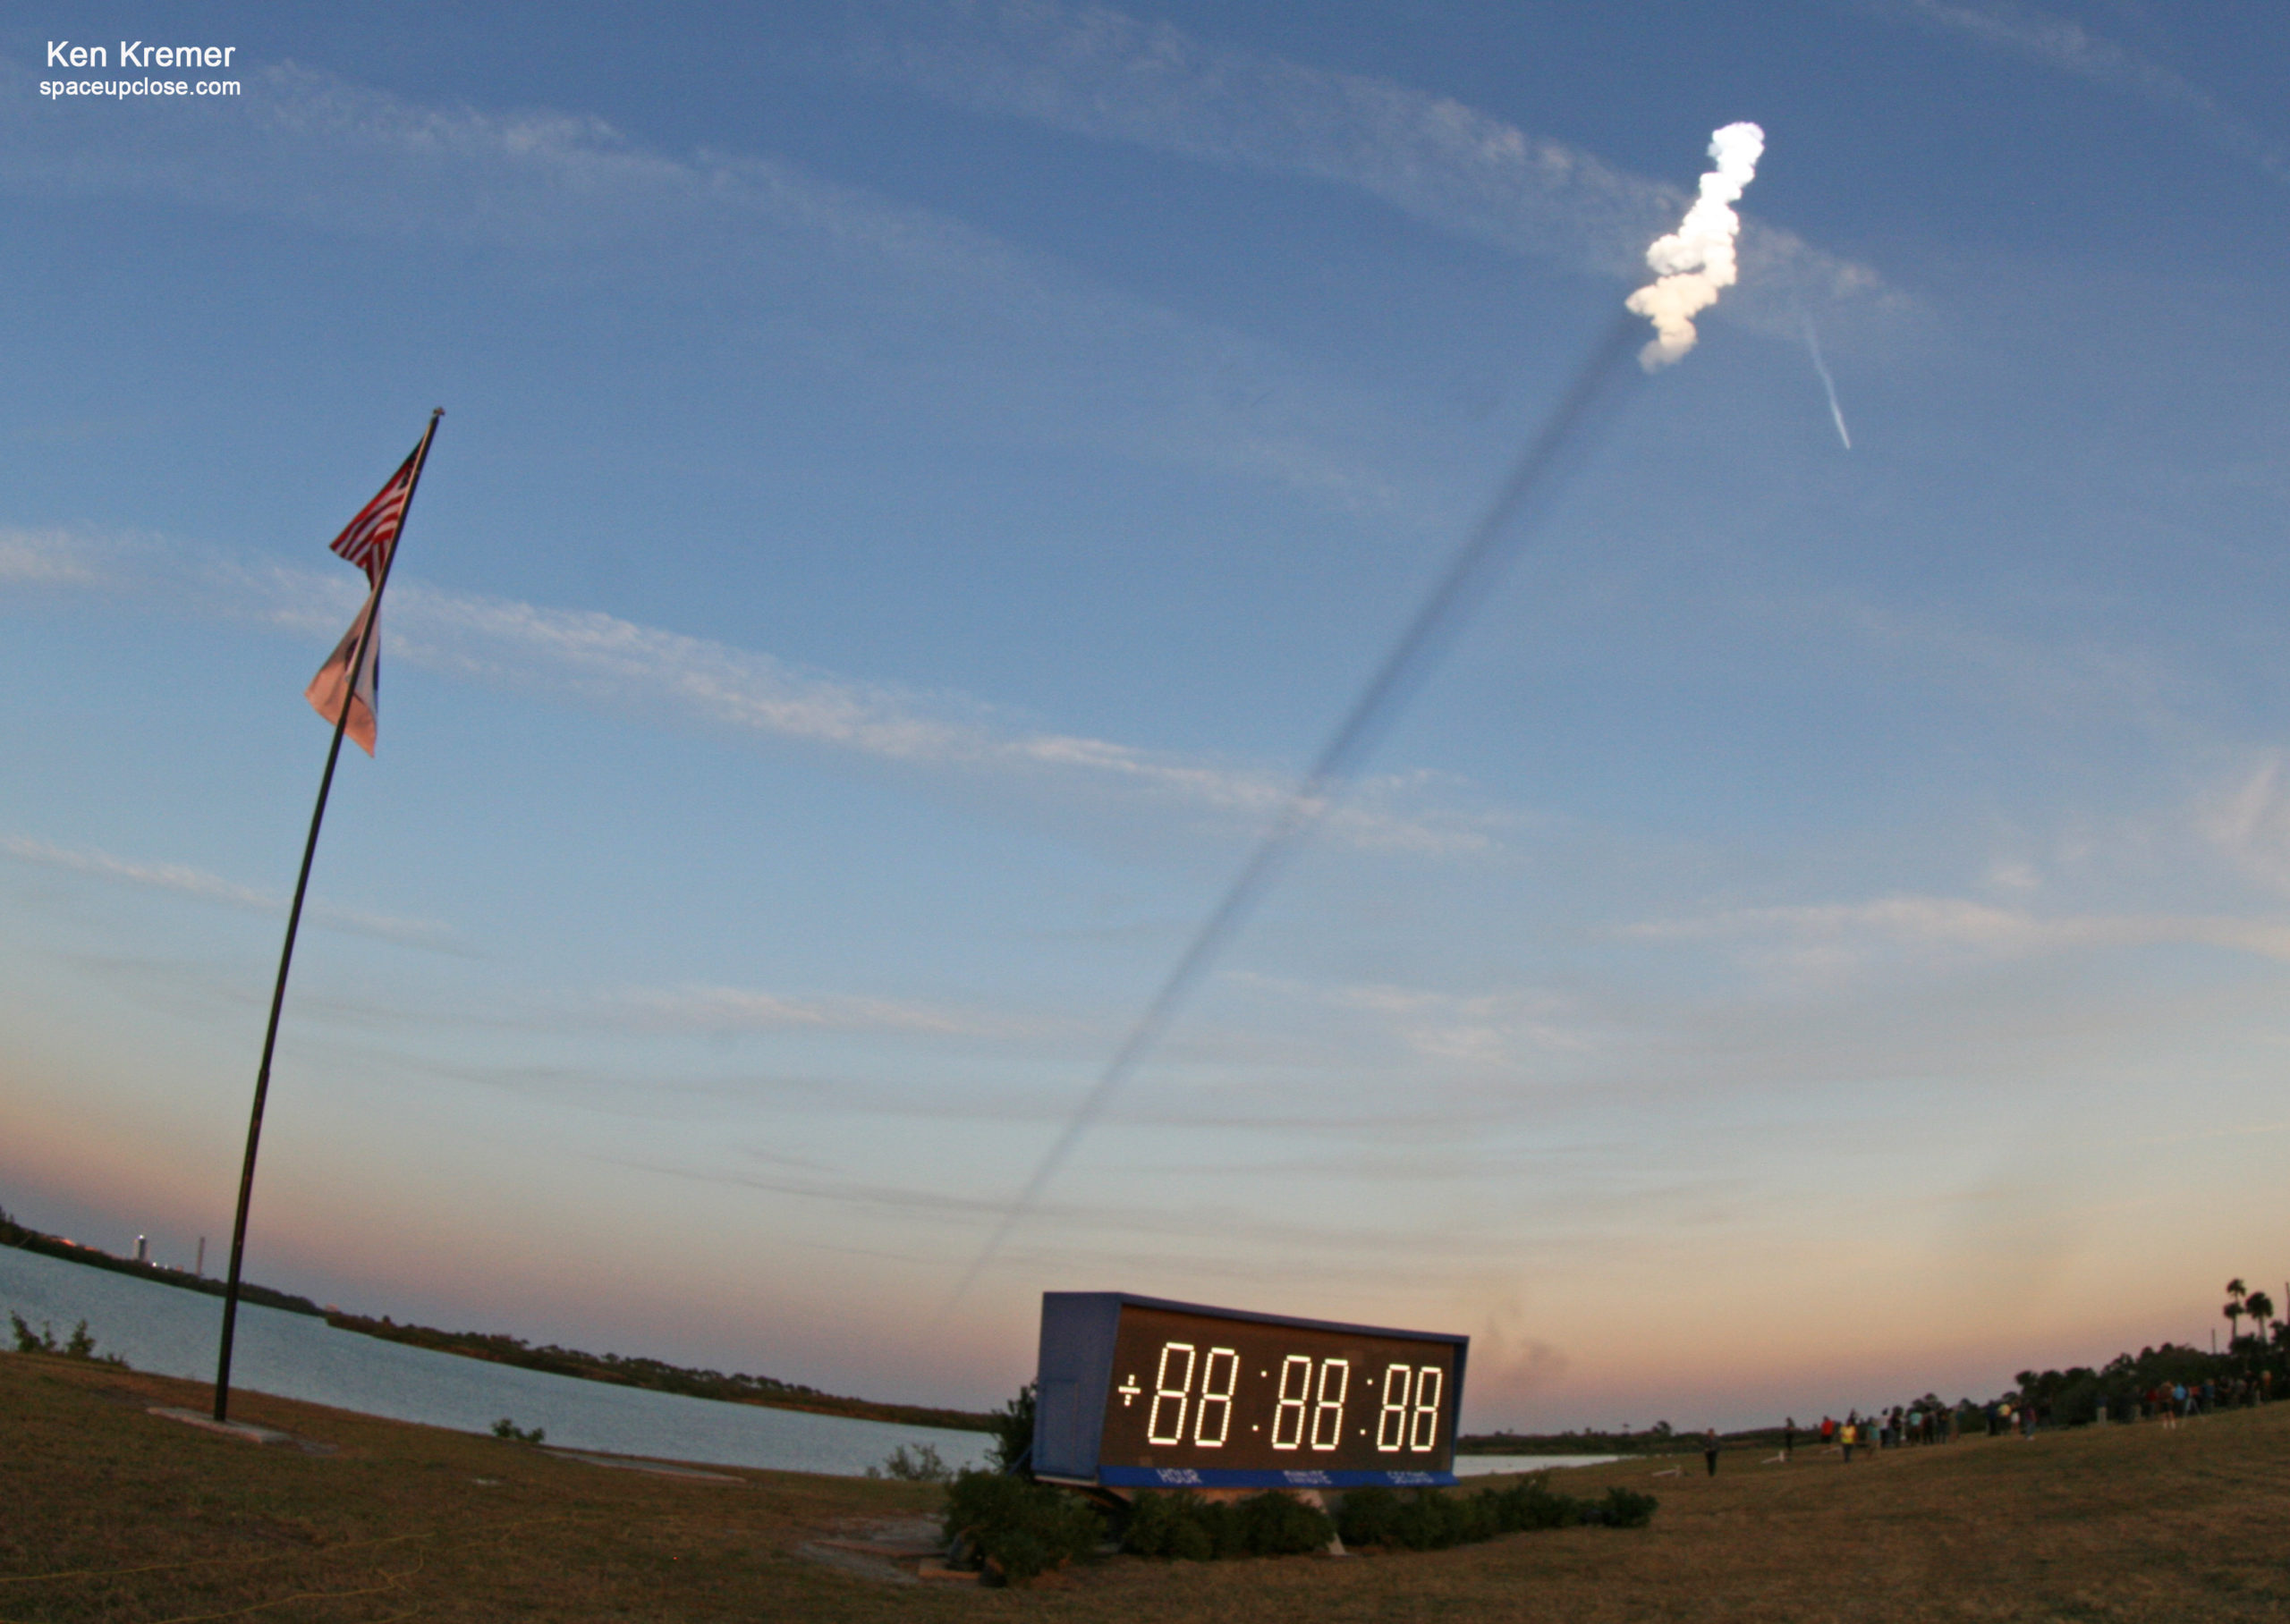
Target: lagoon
{"x": 1488, "y": 1465}
{"x": 172, "y": 1332}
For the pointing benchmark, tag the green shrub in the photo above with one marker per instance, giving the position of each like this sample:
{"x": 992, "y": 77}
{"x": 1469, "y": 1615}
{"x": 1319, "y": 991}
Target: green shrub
{"x": 1185, "y": 1526}
{"x": 1530, "y": 1504}
{"x": 1169, "y": 1525}
{"x": 1427, "y": 1522}
{"x": 28, "y": 1341}
{"x": 1432, "y": 1521}
{"x": 922, "y": 1465}
{"x": 1368, "y": 1516}
{"x": 1476, "y": 1518}
{"x": 1281, "y": 1525}
{"x": 79, "y": 1345}
{"x": 510, "y": 1430}
{"x": 1012, "y": 1450}
{"x": 1022, "y": 1527}
{"x": 1628, "y": 1509}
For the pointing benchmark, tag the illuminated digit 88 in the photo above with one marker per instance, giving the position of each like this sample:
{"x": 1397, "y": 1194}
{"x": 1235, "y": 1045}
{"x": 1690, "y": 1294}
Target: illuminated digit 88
{"x": 1220, "y": 1397}
{"x": 1391, "y": 1421}
{"x": 1327, "y": 1415}
{"x": 1295, "y": 1398}
{"x": 1169, "y": 1393}
{"x": 1426, "y": 1432}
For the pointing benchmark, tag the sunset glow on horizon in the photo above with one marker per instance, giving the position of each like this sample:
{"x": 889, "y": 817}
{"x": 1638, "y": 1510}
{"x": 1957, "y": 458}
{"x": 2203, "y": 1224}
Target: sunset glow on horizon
{"x": 919, "y": 482}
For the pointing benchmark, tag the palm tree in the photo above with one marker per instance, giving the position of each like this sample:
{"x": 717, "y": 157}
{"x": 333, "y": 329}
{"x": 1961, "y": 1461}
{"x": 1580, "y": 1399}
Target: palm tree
{"x": 2233, "y": 1310}
{"x": 2259, "y": 1307}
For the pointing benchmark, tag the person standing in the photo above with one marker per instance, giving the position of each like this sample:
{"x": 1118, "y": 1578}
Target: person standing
{"x": 1789, "y": 1439}
{"x": 1710, "y": 1449}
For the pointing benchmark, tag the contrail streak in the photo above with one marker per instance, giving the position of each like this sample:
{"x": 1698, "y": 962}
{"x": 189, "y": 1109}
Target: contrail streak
{"x": 1836, "y": 412}
{"x": 1477, "y": 568}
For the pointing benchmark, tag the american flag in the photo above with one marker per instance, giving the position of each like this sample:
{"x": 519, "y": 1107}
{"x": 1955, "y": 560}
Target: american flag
{"x": 366, "y": 541}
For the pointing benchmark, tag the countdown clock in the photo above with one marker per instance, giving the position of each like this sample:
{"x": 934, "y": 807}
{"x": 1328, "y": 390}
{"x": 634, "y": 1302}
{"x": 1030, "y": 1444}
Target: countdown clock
{"x": 1137, "y": 1392}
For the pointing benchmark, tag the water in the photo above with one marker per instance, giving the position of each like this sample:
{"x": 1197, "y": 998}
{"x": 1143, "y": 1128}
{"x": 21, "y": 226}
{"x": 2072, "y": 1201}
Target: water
{"x": 172, "y": 1332}
{"x": 1486, "y": 1466}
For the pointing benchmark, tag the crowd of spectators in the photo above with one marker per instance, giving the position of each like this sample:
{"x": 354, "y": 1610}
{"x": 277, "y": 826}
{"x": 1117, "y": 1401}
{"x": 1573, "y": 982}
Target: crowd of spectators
{"x": 2166, "y": 1386}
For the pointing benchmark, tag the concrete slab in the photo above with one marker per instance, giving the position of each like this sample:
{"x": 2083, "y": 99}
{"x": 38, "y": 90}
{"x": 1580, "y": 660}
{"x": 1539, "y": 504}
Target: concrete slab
{"x": 658, "y": 1468}
{"x": 246, "y": 1431}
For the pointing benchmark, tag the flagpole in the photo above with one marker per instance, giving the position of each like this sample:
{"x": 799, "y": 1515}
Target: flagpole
{"x": 293, "y": 924}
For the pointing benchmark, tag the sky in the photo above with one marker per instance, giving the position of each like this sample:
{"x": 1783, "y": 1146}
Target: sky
{"x": 920, "y": 484}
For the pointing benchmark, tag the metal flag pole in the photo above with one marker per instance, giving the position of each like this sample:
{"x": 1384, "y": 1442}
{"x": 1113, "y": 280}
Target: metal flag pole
{"x": 293, "y": 924}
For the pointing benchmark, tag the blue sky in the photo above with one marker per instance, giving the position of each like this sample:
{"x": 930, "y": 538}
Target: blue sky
{"x": 920, "y": 484}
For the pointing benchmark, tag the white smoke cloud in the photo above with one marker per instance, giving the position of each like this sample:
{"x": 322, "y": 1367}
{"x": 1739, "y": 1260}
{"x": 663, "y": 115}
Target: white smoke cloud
{"x": 1696, "y": 261}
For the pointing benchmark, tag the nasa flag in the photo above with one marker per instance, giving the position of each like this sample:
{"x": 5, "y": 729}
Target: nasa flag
{"x": 367, "y": 541}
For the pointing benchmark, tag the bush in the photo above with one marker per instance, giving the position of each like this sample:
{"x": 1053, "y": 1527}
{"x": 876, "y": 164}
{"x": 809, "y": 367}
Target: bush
{"x": 28, "y": 1342}
{"x": 1628, "y": 1509}
{"x": 1186, "y": 1527}
{"x": 1020, "y": 1527}
{"x": 79, "y": 1345}
{"x": 506, "y": 1428}
{"x": 1013, "y": 1435}
{"x": 1171, "y": 1526}
{"x": 1432, "y": 1520}
{"x": 922, "y": 1466}
{"x": 1531, "y": 1504}
{"x": 1368, "y": 1516}
{"x": 1281, "y": 1525}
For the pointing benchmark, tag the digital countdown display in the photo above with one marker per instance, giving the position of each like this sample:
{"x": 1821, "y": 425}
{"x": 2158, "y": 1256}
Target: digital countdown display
{"x": 1137, "y": 1392}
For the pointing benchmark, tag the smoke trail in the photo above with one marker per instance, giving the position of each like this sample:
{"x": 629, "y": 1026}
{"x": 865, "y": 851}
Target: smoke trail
{"x": 1694, "y": 263}
{"x": 1813, "y": 342}
{"x": 1477, "y": 568}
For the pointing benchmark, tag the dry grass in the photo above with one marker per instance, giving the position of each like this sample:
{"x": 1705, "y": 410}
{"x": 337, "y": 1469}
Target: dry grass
{"x": 109, "y": 1513}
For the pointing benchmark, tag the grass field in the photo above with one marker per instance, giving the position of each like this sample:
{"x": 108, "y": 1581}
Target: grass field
{"x": 107, "y": 1512}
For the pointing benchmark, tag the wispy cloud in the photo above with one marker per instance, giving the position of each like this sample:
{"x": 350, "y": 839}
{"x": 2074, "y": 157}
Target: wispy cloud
{"x": 1475, "y": 1027}
{"x": 1217, "y": 1223}
{"x": 1847, "y": 933}
{"x": 46, "y": 558}
{"x": 1098, "y": 72}
{"x": 2249, "y": 822}
{"x": 622, "y": 664}
{"x": 730, "y": 1009}
{"x": 824, "y": 277}
{"x": 2064, "y": 45}
{"x": 619, "y": 665}
{"x": 2085, "y": 678}
{"x": 213, "y": 888}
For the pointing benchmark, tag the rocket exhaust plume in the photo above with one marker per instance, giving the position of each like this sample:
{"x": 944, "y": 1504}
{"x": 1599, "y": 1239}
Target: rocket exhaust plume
{"x": 1695, "y": 263}
{"x": 1476, "y": 570}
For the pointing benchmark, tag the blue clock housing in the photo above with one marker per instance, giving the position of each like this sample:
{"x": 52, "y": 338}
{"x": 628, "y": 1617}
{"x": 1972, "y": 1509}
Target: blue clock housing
{"x": 1141, "y": 1393}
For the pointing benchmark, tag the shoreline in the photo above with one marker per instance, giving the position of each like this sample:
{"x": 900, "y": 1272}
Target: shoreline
{"x": 610, "y": 1370}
